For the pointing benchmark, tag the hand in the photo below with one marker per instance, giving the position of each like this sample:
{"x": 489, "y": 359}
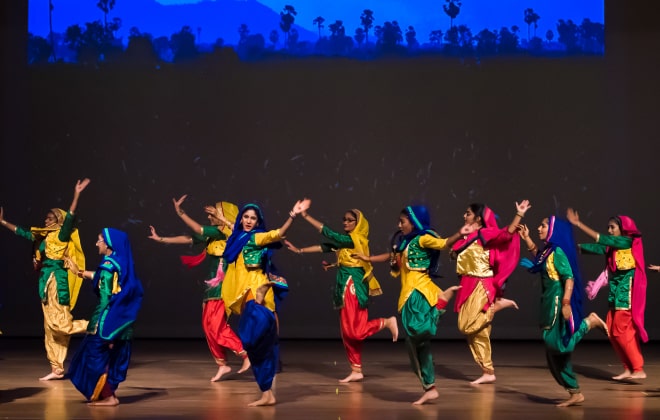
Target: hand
{"x": 71, "y": 265}
{"x": 301, "y": 206}
{"x": 81, "y": 185}
{"x": 468, "y": 229}
{"x": 651, "y": 266}
{"x": 361, "y": 257}
{"x": 326, "y": 265}
{"x": 213, "y": 211}
{"x": 573, "y": 216}
{"x": 566, "y": 312}
{"x": 523, "y": 207}
{"x": 291, "y": 247}
{"x": 177, "y": 203}
{"x": 523, "y": 231}
{"x": 154, "y": 235}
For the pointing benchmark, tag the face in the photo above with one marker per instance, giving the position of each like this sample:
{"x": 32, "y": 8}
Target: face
{"x": 613, "y": 228}
{"x": 102, "y": 246}
{"x": 543, "y": 229}
{"x": 405, "y": 226}
{"x": 50, "y": 219}
{"x": 349, "y": 221}
{"x": 469, "y": 217}
{"x": 249, "y": 220}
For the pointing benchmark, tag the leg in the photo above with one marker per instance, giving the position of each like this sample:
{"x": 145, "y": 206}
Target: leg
{"x": 476, "y": 325}
{"x": 480, "y": 347}
{"x": 267, "y": 398}
{"x": 626, "y": 343}
{"x": 501, "y": 303}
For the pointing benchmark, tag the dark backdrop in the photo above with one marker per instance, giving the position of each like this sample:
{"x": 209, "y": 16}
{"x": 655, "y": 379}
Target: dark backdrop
{"x": 375, "y": 135}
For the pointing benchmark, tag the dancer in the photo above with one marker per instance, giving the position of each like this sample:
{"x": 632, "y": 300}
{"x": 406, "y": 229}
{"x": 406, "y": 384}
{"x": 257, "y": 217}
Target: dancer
{"x": 253, "y": 290}
{"x": 421, "y": 301}
{"x": 625, "y": 273}
{"x": 219, "y": 334}
{"x": 484, "y": 260}
{"x": 355, "y": 283}
{"x": 101, "y": 362}
{"x": 561, "y": 318}
{"x": 58, "y": 287}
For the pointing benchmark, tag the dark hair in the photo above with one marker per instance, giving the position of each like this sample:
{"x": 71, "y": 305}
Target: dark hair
{"x": 478, "y": 210}
{"x": 617, "y": 220}
{"x": 353, "y": 213}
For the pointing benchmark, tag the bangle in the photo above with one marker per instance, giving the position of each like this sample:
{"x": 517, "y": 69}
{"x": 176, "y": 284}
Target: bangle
{"x": 181, "y": 212}
{"x": 81, "y": 274}
{"x": 161, "y": 240}
{"x": 579, "y": 224}
{"x": 532, "y": 248}
{"x": 292, "y": 214}
{"x": 4, "y": 222}
{"x": 520, "y": 214}
{"x": 300, "y": 251}
{"x": 565, "y": 302}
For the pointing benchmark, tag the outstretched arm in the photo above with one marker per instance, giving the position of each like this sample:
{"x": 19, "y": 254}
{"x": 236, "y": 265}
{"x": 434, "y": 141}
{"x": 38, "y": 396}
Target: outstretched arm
{"x": 312, "y": 221}
{"x": 196, "y": 227}
{"x": 306, "y": 250}
{"x": 373, "y": 258}
{"x": 574, "y": 218}
{"x": 5, "y": 223}
{"x": 654, "y": 267}
{"x": 521, "y": 209}
{"x": 80, "y": 186}
{"x": 523, "y": 231}
{"x": 169, "y": 240}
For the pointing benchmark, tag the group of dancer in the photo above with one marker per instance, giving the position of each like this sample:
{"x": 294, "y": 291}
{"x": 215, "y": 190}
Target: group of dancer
{"x": 243, "y": 281}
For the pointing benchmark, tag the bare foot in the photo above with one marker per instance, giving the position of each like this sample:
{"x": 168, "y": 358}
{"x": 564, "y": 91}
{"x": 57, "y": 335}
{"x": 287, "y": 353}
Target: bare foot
{"x": 111, "y": 401}
{"x": 222, "y": 370}
{"x": 267, "y": 398}
{"x": 596, "y": 322}
{"x": 639, "y": 374}
{"x": 52, "y": 376}
{"x": 625, "y": 375}
{"x": 245, "y": 366}
{"x": 502, "y": 303}
{"x": 573, "y": 400}
{"x": 391, "y": 324}
{"x": 354, "y": 376}
{"x": 486, "y": 378}
{"x": 429, "y": 395}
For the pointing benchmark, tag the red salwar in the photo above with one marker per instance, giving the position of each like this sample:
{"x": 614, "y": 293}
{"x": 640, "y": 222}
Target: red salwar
{"x": 625, "y": 340}
{"x": 219, "y": 334}
{"x": 356, "y": 326}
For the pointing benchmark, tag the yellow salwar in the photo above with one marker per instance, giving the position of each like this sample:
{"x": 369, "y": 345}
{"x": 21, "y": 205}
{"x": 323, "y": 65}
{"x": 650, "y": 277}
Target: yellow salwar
{"x": 476, "y": 325}
{"x": 59, "y": 325}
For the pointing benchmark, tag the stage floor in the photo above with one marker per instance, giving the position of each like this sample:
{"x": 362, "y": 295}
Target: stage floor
{"x": 169, "y": 379}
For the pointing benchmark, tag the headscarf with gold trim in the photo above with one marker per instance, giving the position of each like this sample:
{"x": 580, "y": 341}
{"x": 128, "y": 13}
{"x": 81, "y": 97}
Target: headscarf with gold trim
{"x": 360, "y": 235}
{"x": 58, "y": 250}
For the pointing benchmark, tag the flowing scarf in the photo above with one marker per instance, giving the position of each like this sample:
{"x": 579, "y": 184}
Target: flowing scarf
{"x": 560, "y": 235}
{"x": 360, "y": 235}
{"x": 638, "y": 296}
{"x": 126, "y": 300}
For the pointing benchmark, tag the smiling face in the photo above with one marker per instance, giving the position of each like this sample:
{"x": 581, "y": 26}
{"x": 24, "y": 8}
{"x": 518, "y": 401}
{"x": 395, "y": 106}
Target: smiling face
{"x": 613, "y": 228}
{"x": 102, "y": 246}
{"x": 249, "y": 220}
{"x": 50, "y": 219}
{"x": 405, "y": 226}
{"x": 543, "y": 229}
{"x": 349, "y": 222}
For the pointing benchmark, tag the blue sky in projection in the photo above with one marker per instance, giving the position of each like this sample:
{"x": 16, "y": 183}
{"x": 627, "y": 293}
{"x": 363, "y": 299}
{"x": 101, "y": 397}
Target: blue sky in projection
{"x": 164, "y": 17}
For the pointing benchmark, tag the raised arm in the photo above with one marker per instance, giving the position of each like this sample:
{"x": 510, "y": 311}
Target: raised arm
{"x": 523, "y": 231}
{"x": 521, "y": 209}
{"x": 196, "y": 227}
{"x": 5, "y": 223}
{"x": 574, "y": 218}
{"x": 170, "y": 239}
{"x": 312, "y": 221}
{"x": 80, "y": 186}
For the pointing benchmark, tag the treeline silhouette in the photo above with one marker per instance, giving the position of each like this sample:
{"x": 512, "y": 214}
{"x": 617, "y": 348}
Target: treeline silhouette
{"x": 97, "y": 41}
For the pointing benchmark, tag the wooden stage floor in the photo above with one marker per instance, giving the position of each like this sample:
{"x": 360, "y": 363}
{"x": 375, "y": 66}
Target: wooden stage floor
{"x": 169, "y": 379}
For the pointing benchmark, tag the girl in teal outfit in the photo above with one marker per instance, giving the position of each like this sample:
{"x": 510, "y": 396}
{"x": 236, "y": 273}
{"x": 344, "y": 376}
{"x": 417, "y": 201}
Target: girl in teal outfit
{"x": 561, "y": 301}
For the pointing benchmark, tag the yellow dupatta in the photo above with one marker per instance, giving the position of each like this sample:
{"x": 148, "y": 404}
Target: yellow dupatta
{"x": 58, "y": 250}
{"x": 359, "y": 236}
{"x": 230, "y": 212}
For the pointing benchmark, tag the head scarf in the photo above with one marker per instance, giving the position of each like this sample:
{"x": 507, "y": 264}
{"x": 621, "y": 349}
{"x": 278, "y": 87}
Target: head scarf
{"x": 560, "y": 235}
{"x": 57, "y": 250}
{"x": 638, "y": 297}
{"x": 421, "y": 220}
{"x": 359, "y": 235}
{"x": 126, "y": 300}
{"x": 239, "y": 237}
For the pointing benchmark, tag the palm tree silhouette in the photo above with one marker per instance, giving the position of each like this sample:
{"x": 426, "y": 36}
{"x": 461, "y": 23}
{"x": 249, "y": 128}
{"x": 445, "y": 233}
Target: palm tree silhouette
{"x": 50, "y": 26}
{"x": 452, "y": 9}
{"x": 367, "y": 21}
{"x": 319, "y": 23}
{"x": 531, "y": 17}
{"x": 287, "y": 17}
{"x": 105, "y": 6}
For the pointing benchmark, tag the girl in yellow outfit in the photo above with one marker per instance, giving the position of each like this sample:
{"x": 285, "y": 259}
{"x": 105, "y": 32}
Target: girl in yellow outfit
{"x": 58, "y": 286}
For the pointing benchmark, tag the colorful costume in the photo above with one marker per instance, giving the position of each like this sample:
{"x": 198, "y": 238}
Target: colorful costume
{"x": 485, "y": 259}
{"x": 557, "y": 263}
{"x": 101, "y": 362}
{"x": 58, "y": 287}
{"x": 217, "y": 331}
{"x": 419, "y": 302}
{"x": 248, "y": 267}
{"x": 355, "y": 283}
{"x": 627, "y": 296}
